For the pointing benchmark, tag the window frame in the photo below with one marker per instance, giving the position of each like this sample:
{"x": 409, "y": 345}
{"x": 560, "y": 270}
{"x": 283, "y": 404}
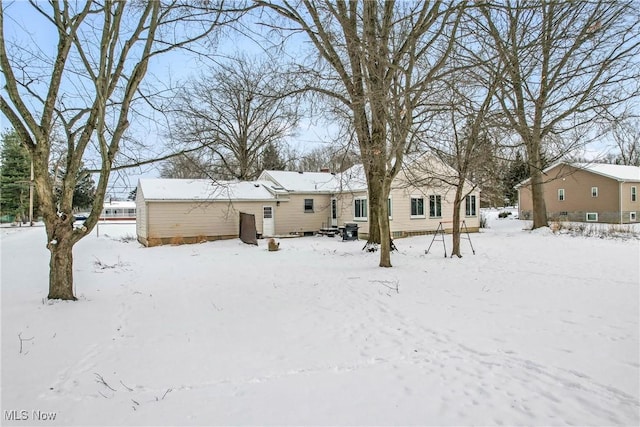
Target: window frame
{"x": 436, "y": 199}
{"x": 592, "y": 220}
{"x": 417, "y": 214}
{"x": 308, "y": 209}
{"x": 363, "y": 203}
{"x": 594, "y": 193}
{"x": 634, "y": 193}
{"x": 561, "y": 195}
{"x": 633, "y": 216}
{"x": 467, "y": 206}
{"x": 390, "y": 208}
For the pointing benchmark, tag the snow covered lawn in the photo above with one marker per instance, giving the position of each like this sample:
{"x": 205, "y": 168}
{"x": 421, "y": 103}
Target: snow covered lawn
{"x": 536, "y": 328}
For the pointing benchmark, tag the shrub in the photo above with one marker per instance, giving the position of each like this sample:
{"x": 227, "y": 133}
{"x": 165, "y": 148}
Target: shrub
{"x": 504, "y": 214}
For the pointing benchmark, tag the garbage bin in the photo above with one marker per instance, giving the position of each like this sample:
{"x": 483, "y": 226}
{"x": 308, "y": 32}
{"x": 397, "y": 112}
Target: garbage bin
{"x": 350, "y": 232}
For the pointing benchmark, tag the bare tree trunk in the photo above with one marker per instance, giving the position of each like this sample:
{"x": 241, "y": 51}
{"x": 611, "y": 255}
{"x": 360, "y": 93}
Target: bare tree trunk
{"x": 374, "y": 228}
{"x": 537, "y": 197}
{"x": 61, "y": 261}
{"x": 456, "y": 221}
{"x": 537, "y": 180}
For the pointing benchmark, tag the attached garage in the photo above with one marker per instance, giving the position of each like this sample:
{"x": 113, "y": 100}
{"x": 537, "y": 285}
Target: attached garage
{"x": 193, "y": 210}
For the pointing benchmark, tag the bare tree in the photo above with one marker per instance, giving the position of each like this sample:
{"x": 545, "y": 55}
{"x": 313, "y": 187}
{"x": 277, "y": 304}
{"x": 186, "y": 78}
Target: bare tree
{"x": 186, "y": 166}
{"x": 465, "y": 143}
{"x": 567, "y": 64}
{"x": 378, "y": 60}
{"x": 626, "y": 136}
{"x": 236, "y": 110}
{"x": 88, "y": 87}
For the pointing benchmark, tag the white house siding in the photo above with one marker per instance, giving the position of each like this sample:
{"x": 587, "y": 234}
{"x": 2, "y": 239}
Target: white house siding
{"x": 290, "y": 217}
{"x": 141, "y": 217}
{"x": 190, "y": 221}
{"x": 401, "y": 222}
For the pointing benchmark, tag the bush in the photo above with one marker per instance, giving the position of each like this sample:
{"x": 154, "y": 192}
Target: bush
{"x": 504, "y": 214}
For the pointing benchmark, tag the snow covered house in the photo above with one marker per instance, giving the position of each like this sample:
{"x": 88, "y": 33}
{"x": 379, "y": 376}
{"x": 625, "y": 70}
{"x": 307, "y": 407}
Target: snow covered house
{"x": 586, "y": 192}
{"x": 300, "y": 203}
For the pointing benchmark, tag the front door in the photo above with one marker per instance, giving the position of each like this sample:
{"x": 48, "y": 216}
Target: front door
{"x": 268, "y": 225}
{"x": 334, "y": 212}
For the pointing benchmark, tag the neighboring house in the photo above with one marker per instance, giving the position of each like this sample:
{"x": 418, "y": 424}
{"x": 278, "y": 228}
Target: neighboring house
{"x": 300, "y": 203}
{"x": 118, "y": 210}
{"x": 586, "y": 192}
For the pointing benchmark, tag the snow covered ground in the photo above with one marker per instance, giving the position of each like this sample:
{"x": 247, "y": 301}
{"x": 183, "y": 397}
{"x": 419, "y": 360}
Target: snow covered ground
{"x": 536, "y": 328}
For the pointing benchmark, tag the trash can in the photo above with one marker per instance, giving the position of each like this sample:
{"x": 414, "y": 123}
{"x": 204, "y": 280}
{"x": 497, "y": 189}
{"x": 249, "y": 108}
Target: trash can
{"x": 350, "y": 232}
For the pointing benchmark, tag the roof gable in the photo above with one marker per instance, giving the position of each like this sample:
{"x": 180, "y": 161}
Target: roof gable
{"x": 302, "y": 182}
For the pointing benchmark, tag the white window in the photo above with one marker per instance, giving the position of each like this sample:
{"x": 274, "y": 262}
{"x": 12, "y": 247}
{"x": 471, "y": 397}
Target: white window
{"x": 360, "y": 209}
{"x": 390, "y": 208}
{"x": 632, "y": 217}
{"x": 417, "y": 207}
{"x": 592, "y": 216}
{"x": 634, "y": 194}
{"x": 594, "y": 191}
{"x": 435, "y": 206}
{"x": 561, "y": 194}
{"x": 470, "y": 206}
{"x": 308, "y": 205}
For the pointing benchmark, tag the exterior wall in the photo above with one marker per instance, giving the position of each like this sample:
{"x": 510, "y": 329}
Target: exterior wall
{"x": 141, "y": 217}
{"x": 196, "y": 221}
{"x": 401, "y": 222}
{"x": 290, "y": 217}
{"x": 628, "y": 205}
{"x": 578, "y": 200}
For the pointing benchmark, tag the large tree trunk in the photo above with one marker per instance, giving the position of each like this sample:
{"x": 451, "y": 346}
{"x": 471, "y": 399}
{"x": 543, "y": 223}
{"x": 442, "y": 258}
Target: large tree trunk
{"x": 374, "y": 223}
{"x": 537, "y": 180}
{"x": 537, "y": 197}
{"x": 61, "y": 262}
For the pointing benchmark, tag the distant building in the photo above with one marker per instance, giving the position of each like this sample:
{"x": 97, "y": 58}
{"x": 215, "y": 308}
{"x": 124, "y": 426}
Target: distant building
{"x": 586, "y": 192}
{"x": 118, "y": 210}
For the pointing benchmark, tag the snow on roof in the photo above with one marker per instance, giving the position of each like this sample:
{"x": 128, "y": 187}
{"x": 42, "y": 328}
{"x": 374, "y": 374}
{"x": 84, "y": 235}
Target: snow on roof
{"x": 204, "y": 189}
{"x": 619, "y": 172}
{"x": 354, "y": 178}
{"x": 303, "y": 182}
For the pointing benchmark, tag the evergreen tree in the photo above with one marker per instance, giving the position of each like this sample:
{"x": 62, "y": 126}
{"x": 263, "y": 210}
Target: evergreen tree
{"x": 15, "y": 172}
{"x": 517, "y": 172}
{"x": 272, "y": 159}
{"x": 84, "y": 193}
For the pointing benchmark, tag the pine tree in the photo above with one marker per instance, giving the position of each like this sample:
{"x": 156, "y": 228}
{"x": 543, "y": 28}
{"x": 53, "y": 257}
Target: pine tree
{"x": 272, "y": 159}
{"x": 85, "y": 191}
{"x": 15, "y": 173}
{"x": 518, "y": 171}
